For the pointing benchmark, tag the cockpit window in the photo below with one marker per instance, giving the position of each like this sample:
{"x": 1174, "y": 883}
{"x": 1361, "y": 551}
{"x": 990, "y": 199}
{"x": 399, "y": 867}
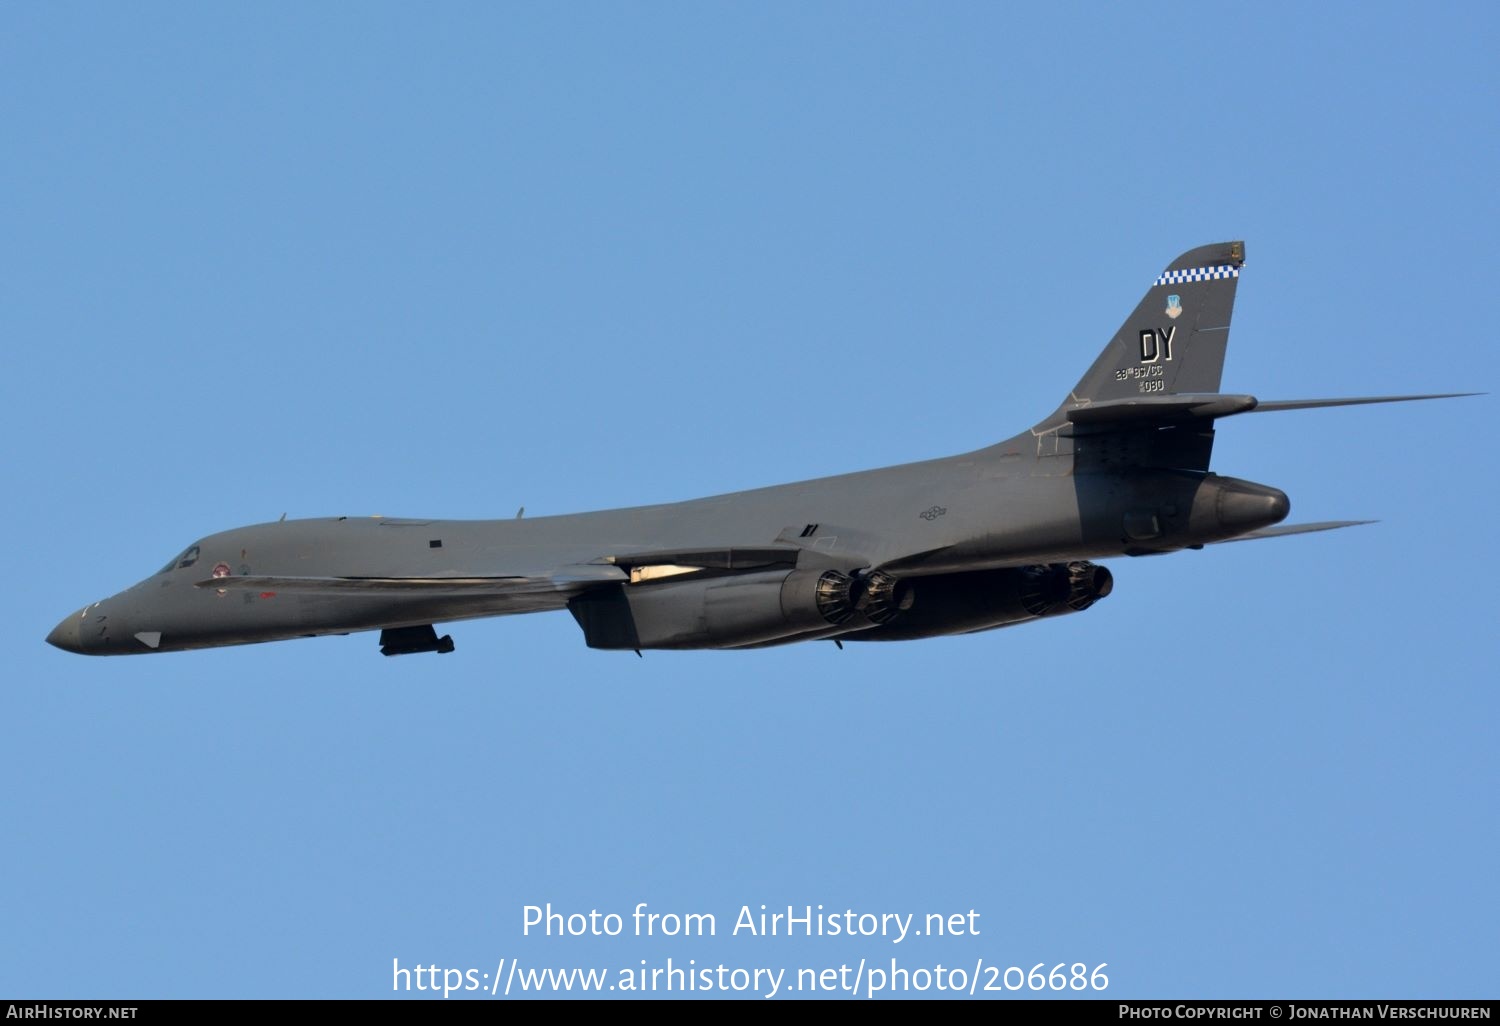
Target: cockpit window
{"x": 181, "y": 562}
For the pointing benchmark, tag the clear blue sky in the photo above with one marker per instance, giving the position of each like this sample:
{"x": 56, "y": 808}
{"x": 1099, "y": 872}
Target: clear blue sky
{"x": 452, "y": 259}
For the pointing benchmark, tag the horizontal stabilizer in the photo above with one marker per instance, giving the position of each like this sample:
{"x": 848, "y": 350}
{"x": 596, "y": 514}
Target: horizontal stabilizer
{"x": 1113, "y": 412}
{"x": 1274, "y": 405}
{"x": 1285, "y": 529}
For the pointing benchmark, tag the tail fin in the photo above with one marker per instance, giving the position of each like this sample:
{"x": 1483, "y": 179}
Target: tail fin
{"x": 1175, "y": 340}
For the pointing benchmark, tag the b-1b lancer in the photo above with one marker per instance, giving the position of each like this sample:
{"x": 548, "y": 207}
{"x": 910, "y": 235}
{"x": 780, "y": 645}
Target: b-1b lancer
{"x": 999, "y": 536}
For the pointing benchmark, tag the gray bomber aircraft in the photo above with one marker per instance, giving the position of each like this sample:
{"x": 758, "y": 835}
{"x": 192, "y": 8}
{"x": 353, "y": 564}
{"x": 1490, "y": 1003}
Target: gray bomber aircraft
{"x": 991, "y": 538}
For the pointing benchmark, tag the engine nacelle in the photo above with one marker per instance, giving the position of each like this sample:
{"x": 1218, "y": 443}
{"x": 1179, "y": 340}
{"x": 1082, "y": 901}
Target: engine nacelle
{"x": 986, "y": 599}
{"x": 716, "y": 612}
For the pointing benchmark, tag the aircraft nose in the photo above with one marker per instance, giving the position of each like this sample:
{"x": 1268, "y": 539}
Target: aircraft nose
{"x": 68, "y": 635}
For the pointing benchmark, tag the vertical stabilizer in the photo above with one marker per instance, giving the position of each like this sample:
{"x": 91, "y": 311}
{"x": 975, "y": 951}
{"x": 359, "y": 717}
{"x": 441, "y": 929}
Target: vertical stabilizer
{"x": 1174, "y": 341}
